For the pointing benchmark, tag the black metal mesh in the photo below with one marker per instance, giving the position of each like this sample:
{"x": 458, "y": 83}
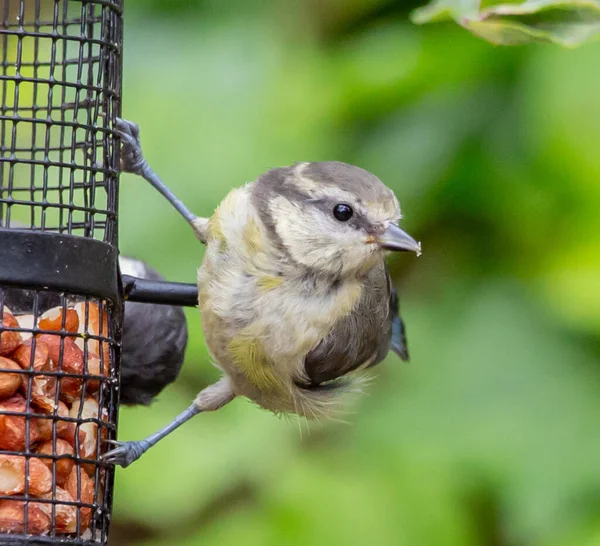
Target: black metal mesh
{"x": 60, "y": 91}
{"x": 60, "y": 414}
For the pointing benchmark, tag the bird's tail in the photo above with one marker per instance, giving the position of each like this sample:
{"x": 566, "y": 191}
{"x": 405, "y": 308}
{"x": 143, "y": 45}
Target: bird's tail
{"x": 330, "y": 400}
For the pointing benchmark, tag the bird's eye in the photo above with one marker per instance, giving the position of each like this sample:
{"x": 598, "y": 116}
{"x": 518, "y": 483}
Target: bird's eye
{"x": 343, "y": 212}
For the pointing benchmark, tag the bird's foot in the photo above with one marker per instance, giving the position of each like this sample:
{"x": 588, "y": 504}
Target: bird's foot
{"x": 132, "y": 158}
{"x": 126, "y": 452}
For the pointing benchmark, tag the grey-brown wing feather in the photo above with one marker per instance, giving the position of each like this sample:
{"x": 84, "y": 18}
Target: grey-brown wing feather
{"x": 399, "y": 345}
{"x": 366, "y": 335}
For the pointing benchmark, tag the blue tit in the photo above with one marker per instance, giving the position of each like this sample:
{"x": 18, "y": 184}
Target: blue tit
{"x": 294, "y": 292}
{"x": 153, "y": 342}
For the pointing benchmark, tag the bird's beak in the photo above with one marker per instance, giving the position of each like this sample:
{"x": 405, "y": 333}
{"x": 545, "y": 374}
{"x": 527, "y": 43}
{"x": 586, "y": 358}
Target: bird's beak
{"x": 393, "y": 238}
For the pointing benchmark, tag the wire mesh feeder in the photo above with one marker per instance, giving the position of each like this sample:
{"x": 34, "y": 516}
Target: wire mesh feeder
{"x": 60, "y": 297}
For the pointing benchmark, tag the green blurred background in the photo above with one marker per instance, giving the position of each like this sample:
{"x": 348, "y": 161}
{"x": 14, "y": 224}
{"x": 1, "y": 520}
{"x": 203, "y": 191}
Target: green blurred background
{"x": 491, "y": 435}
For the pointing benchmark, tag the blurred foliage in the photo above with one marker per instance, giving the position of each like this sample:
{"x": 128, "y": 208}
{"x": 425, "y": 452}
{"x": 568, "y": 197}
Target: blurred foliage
{"x": 489, "y": 437}
{"x": 565, "y": 22}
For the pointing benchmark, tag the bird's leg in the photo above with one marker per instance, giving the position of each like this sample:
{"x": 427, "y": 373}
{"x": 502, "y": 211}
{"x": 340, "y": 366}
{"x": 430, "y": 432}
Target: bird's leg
{"x": 210, "y": 399}
{"x": 128, "y": 452}
{"x": 133, "y": 161}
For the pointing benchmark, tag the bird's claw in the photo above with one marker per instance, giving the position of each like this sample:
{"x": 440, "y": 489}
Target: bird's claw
{"x": 125, "y": 453}
{"x": 132, "y": 158}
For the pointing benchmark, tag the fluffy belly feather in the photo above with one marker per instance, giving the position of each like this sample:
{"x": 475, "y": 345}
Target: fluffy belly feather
{"x": 260, "y": 335}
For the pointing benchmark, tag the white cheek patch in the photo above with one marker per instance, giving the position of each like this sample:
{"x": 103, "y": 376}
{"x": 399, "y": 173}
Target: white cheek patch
{"x": 317, "y": 240}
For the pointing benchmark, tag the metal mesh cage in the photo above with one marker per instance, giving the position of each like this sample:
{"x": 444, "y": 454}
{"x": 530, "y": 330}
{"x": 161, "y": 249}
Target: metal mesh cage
{"x": 59, "y": 93}
{"x": 60, "y": 303}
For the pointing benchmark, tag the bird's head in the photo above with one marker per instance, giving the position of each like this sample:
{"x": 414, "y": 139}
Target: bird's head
{"x": 331, "y": 217}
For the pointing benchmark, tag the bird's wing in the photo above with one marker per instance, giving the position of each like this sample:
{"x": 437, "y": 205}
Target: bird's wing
{"x": 154, "y": 341}
{"x": 359, "y": 339}
{"x": 399, "y": 345}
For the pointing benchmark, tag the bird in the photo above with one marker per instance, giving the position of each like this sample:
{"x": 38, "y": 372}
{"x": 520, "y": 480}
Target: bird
{"x": 153, "y": 341}
{"x": 294, "y": 292}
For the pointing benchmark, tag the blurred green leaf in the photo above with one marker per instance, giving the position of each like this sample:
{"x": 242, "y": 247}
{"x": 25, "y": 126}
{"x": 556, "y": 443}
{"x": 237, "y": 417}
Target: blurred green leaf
{"x": 444, "y": 10}
{"x": 568, "y": 23}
